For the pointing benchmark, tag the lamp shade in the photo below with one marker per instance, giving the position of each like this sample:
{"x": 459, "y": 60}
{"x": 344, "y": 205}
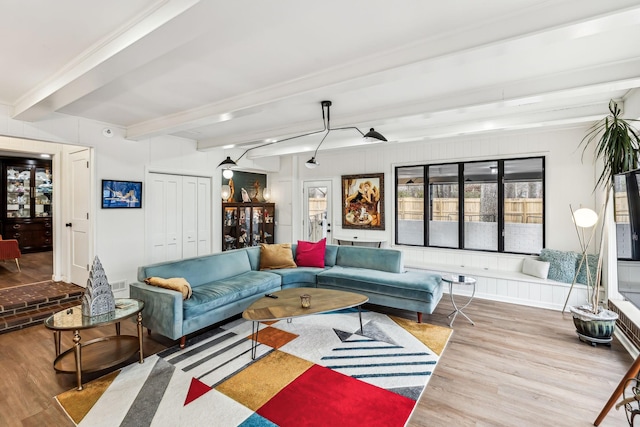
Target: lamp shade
{"x": 225, "y": 192}
{"x": 585, "y": 217}
{"x": 227, "y": 163}
{"x": 266, "y": 194}
{"x": 373, "y": 136}
{"x": 312, "y": 163}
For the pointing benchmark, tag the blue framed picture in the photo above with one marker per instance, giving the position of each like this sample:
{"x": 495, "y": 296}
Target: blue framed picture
{"x": 121, "y": 194}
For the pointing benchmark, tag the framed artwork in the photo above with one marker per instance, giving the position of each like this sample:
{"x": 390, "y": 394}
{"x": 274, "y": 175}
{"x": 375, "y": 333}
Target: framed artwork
{"x": 121, "y": 194}
{"x": 363, "y": 201}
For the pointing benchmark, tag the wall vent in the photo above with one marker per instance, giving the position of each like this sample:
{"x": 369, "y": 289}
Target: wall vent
{"x": 119, "y": 286}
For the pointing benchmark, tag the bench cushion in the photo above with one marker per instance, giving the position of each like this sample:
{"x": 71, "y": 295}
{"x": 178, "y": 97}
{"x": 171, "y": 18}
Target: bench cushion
{"x": 216, "y": 294}
{"x": 409, "y": 285}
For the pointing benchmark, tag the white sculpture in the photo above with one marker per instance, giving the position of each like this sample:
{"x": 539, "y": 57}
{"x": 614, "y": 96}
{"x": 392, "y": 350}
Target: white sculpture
{"x": 98, "y": 297}
{"x": 245, "y": 195}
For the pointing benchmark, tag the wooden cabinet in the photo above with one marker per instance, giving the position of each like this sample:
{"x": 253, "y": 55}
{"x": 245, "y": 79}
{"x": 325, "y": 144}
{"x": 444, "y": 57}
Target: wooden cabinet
{"x": 247, "y": 224}
{"x": 25, "y": 204}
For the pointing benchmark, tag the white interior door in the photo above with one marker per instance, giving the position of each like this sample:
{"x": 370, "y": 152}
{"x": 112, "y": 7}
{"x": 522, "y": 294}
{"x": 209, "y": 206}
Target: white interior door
{"x": 317, "y": 210}
{"x": 79, "y": 225}
{"x": 164, "y": 204}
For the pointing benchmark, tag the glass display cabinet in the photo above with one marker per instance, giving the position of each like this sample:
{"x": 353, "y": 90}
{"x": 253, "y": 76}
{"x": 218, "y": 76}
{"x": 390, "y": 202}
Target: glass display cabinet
{"x": 27, "y": 185}
{"x": 247, "y": 224}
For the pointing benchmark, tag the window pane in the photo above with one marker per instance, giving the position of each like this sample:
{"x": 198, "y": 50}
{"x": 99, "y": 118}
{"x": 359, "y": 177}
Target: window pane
{"x": 523, "y": 206}
{"x": 410, "y": 210}
{"x": 623, "y": 225}
{"x": 443, "y": 206}
{"x": 481, "y": 205}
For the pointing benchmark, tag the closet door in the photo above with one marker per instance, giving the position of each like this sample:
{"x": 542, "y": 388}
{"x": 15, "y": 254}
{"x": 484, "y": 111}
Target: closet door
{"x": 164, "y": 204}
{"x": 189, "y": 216}
{"x": 178, "y": 217}
{"x": 204, "y": 216}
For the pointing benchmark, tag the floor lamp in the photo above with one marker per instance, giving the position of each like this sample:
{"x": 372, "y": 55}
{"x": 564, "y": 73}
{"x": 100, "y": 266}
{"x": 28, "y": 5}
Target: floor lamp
{"x": 583, "y": 218}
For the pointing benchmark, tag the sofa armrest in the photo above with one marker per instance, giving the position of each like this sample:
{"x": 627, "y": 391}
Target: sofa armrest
{"x": 162, "y": 311}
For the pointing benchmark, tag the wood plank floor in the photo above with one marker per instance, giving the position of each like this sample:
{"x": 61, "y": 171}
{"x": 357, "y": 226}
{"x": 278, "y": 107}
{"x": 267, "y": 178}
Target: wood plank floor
{"x": 35, "y": 267}
{"x": 518, "y": 366}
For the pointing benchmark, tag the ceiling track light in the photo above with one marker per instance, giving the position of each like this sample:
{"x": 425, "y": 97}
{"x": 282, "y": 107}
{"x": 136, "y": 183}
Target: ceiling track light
{"x": 370, "y": 136}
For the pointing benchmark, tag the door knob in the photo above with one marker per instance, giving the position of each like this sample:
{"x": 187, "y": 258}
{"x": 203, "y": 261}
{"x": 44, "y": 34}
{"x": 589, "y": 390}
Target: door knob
{"x": 68, "y": 224}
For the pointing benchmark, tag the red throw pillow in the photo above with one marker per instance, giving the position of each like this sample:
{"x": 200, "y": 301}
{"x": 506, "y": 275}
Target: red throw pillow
{"x": 310, "y": 254}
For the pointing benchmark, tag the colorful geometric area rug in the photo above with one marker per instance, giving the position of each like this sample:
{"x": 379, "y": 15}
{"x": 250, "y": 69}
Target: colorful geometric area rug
{"x": 318, "y": 370}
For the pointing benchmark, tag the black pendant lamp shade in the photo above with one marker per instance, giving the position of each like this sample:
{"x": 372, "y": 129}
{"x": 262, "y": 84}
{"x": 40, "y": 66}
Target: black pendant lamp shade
{"x": 228, "y": 163}
{"x": 312, "y": 163}
{"x": 373, "y": 135}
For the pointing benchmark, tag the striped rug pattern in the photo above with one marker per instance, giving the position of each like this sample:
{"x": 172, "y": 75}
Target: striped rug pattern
{"x": 314, "y": 370}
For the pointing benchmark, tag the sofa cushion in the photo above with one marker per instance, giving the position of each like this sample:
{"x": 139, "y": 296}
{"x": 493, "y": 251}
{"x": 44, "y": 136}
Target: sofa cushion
{"x": 389, "y": 260}
{"x": 409, "y": 285}
{"x": 200, "y": 270}
{"x": 254, "y": 256}
{"x": 276, "y": 256}
{"x": 301, "y": 276}
{"x": 216, "y": 294}
{"x": 311, "y": 254}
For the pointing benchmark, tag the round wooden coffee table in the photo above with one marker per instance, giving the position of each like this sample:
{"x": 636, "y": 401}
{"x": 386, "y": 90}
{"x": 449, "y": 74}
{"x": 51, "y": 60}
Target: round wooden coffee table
{"x": 288, "y": 305}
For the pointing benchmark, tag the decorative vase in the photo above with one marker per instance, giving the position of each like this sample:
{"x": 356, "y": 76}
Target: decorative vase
{"x": 596, "y": 328}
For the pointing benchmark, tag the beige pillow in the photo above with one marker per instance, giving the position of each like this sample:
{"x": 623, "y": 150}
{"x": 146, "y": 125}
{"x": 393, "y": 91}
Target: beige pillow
{"x": 175, "y": 283}
{"x": 276, "y": 256}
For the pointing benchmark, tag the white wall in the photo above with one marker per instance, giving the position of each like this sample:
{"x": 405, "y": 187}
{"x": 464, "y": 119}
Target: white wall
{"x": 119, "y": 233}
{"x": 569, "y": 180}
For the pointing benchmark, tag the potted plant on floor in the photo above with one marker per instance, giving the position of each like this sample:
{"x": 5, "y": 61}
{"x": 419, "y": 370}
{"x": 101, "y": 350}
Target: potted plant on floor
{"x": 616, "y": 144}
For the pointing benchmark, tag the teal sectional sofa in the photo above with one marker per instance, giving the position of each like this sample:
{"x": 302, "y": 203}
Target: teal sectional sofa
{"x": 225, "y": 284}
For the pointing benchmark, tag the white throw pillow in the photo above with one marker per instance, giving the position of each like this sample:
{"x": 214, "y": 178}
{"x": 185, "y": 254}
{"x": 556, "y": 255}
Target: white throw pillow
{"x": 535, "y": 268}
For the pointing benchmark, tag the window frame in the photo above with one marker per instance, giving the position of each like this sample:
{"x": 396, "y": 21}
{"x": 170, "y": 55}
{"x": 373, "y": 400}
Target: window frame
{"x": 461, "y": 223}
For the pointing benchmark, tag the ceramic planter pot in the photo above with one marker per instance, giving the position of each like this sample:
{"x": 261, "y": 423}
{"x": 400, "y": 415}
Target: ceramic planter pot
{"x": 599, "y": 326}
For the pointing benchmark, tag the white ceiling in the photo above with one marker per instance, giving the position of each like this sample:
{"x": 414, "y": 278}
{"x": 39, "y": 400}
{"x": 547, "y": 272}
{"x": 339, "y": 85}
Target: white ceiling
{"x": 248, "y": 72}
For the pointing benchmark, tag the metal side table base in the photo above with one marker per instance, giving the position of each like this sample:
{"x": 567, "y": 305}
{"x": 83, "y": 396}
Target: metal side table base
{"x": 462, "y": 280}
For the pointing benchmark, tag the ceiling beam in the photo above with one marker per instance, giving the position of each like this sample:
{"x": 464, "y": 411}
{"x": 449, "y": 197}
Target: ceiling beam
{"x": 419, "y": 57}
{"x": 133, "y": 45}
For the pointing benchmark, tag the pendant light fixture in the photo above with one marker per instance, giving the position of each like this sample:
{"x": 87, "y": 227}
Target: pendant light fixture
{"x": 371, "y": 136}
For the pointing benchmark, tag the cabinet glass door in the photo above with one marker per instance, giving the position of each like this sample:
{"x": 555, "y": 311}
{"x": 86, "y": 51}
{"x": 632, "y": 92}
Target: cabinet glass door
{"x": 244, "y": 228}
{"x": 43, "y": 192}
{"x": 257, "y": 226}
{"x": 18, "y": 192}
{"x": 267, "y": 224}
{"x": 230, "y": 228}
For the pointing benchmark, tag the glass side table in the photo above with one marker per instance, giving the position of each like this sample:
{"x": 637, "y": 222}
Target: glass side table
{"x": 100, "y": 353}
{"x": 459, "y": 279}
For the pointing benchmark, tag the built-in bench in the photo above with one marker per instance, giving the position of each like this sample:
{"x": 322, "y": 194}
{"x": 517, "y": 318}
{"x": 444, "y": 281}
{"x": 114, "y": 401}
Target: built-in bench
{"x": 498, "y": 276}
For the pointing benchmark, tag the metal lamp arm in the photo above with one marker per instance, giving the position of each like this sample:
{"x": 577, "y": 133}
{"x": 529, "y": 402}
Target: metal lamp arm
{"x": 326, "y": 128}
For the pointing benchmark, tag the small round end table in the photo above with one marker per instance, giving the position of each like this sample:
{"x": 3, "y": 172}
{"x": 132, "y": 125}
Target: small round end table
{"x": 460, "y": 280}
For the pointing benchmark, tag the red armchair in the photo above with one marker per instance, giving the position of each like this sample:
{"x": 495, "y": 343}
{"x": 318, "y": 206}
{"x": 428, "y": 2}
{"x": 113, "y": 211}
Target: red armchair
{"x": 9, "y": 249}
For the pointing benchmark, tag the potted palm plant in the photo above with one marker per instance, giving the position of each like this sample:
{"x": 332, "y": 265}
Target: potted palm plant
{"x": 616, "y": 144}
